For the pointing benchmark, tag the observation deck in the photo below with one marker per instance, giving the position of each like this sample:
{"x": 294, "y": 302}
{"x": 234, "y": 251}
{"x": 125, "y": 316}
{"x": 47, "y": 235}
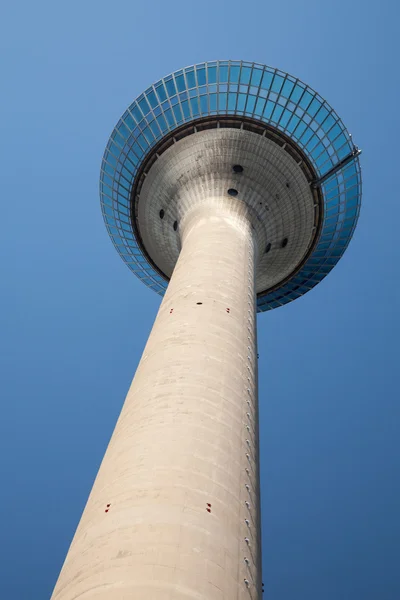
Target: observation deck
{"x": 230, "y": 128}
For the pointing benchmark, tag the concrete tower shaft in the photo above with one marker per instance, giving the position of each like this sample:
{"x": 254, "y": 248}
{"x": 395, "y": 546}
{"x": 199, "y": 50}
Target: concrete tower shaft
{"x": 174, "y": 513}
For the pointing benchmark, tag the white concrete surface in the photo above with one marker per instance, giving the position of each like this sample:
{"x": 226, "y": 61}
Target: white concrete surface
{"x": 187, "y": 437}
{"x": 272, "y": 187}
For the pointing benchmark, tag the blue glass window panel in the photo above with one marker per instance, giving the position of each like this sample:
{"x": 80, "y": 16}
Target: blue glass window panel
{"x": 285, "y": 117}
{"x": 266, "y": 80}
{"x": 183, "y": 96}
{"x": 180, "y": 82}
{"x": 352, "y": 193}
{"x": 277, "y": 113}
{"x": 339, "y": 141}
{"x": 170, "y": 85}
{"x": 105, "y": 197}
{"x": 146, "y": 280}
{"x": 151, "y": 97}
{"x": 107, "y": 191}
{"x": 129, "y": 121}
{"x": 242, "y": 102}
{"x": 351, "y": 212}
{"x": 334, "y": 132}
{"x": 223, "y": 74}
{"x": 328, "y": 123}
{"x": 251, "y": 100}
{"x": 321, "y": 115}
{"x": 255, "y": 77}
{"x": 169, "y": 117}
{"x": 144, "y": 106}
{"x": 260, "y": 107}
{"x": 317, "y": 151}
{"x": 122, "y": 192}
{"x": 194, "y": 103}
{"x": 201, "y": 76}
{"x": 123, "y": 213}
{"x": 186, "y": 109}
{"x": 118, "y": 137}
{"x": 174, "y": 100}
{"x": 350, "y": 170}
{"x": 311, "y": 144}
{"x": 277, "y": 83}
{"x": 306, "y": 136}
{"x": 136, "y": 113}
{"x": 293, "y": 123}
{"x": 287, "y": 88}
{"x": 111, "y": 159}
{"x": 124, "y": 181}
{"x": 107, "y": 179}
{"x": 115, "y": 149}
{"x": 232, "y": 101}
{"x": 204, "y": 104}
{"x": 126, "y": 173}
{"x": 269, "y": 107}
{"x": 161, "y": 93}
{"x": 354, "y": 203}
{"x": 212, "y": 75}
{"x": 352, "y": 181}
{"x": 332, "y": 211}
{"x": 213, "y": 102}
{"x": 322, "y": 159}
{"x": 148, "y": 135}
{"x": 142, "y": 142}
{"x": 162, "y": 124}
{"x": 245, "y": 75}
{"x": 322, "y": 246}
{"x": 222, "y": 101}
{"x": 296, "y": 93}
{"x": 344, "y": 151}
{"x": 177, "y": 112}
{"x": 154, "y": 128}
{"x": 125, "y": 226}
{"x": 314, "y": 107}
{"x": 305, "y": 100}
{"x": 191, "y": 79}
{"x": 133, "y": 158}
{"x": 329, "y": 221}
{"x": 108, "y": 211}
{"x": 234, "y": 74}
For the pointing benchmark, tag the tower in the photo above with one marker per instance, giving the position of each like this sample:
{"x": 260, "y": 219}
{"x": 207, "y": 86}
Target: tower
{"x": 229, "y": 188}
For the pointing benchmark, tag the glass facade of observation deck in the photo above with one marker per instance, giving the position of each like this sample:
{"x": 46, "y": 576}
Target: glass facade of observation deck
{"x": 242, "y": 89}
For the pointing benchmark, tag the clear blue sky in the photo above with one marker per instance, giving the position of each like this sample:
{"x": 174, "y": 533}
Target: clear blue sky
{"x": 74, "y": 320}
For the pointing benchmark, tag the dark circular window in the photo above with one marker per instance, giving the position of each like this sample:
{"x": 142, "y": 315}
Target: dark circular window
{"x": 232, "y": 192}
{"x": 284, "y": 243}
{"x": 237, "y": 169}
{"x": 268, "y": 248}
{"x": 175, "y": 225}
{"x": 162, "y": 213}
{"x": 287, "y": 184}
